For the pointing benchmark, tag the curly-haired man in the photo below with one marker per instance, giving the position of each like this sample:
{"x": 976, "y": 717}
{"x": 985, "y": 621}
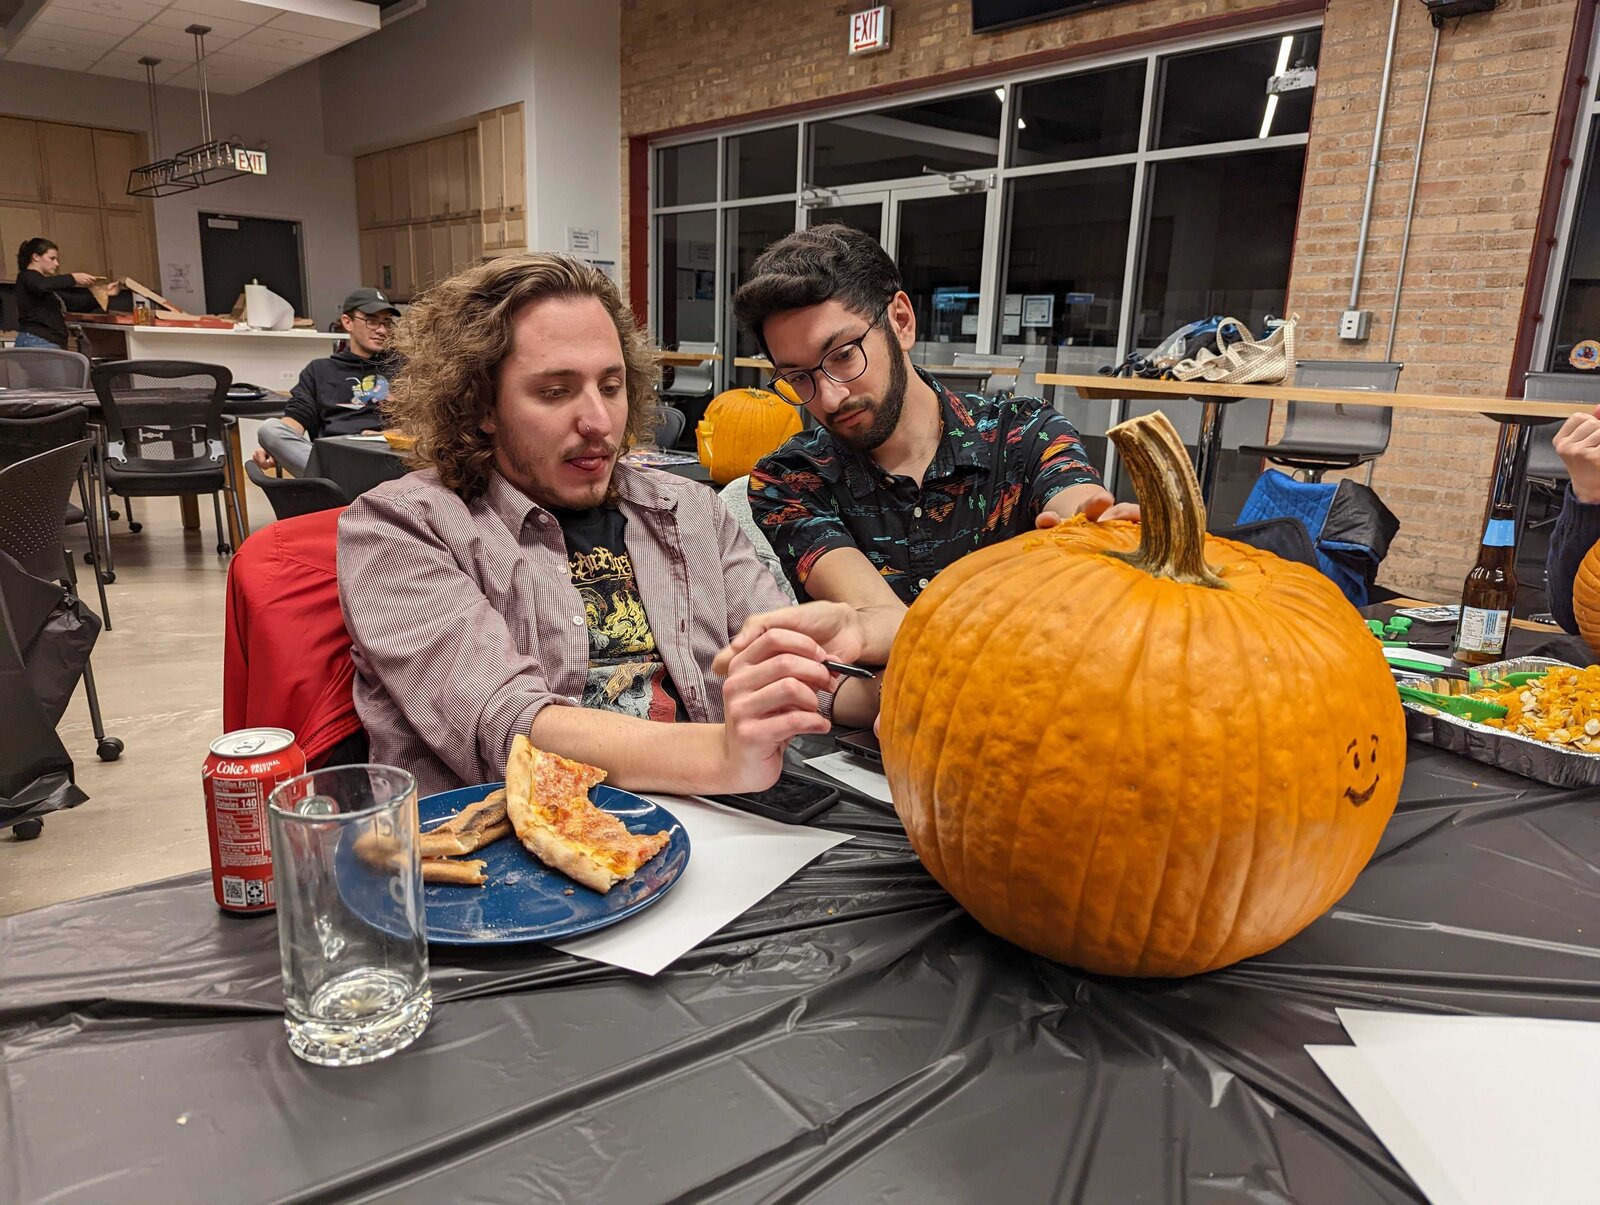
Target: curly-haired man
{"x": 527, "y": 580}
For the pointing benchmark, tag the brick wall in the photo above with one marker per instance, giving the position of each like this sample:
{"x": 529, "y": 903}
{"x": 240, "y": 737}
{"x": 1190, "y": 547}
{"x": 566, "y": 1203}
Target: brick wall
{"x": 1489, "y": 137}
{"x": 701, "y": 62}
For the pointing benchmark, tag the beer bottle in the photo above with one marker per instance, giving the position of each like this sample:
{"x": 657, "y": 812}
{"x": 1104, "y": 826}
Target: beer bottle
{"x": 1490, "y": 592}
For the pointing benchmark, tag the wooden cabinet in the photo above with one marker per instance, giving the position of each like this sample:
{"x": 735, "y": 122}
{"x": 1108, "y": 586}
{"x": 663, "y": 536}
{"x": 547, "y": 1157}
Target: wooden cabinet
{"x": 20, "y": 177}
{"x": 491, "y": 164}
{"x": 69, "y": 175}
{"x": 459, "y": 150}
{"x": 417, "y": 169}
{"x": 77, "y": 232}
{"x": 500, "y": 163}
{"x": 128, "y": 249}
{"x": 421, "y": 257}
{"x": 395, "y": 272}
{"x": 382, "y": 202}
{"x": 18, "y": 223}
{"x": 116, "y": 154}
{"x": 69, "y": 184}
{"x": 400, "y": 185}
{"x": 438, "y": 178}
{"x": 370, "y": 275}
{"x": 366, "y": 191}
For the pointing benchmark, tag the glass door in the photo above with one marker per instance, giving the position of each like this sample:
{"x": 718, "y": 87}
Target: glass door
{"x": 866, "y": 216}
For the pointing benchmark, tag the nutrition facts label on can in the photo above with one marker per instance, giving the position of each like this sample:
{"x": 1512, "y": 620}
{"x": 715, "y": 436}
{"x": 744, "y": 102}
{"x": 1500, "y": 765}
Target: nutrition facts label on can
{"x": 241, "y": 822}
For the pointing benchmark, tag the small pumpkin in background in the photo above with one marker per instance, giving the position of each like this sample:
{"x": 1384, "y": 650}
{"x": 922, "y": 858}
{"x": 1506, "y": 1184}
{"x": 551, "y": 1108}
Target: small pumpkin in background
{"x": 1135, "y": 748}
{"x": 1586, "y": 598}
{"x": 739, "y": 428}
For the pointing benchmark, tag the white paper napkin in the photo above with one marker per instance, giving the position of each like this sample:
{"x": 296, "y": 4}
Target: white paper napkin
{"x": 849, "y": 770}
{"x": 735, "y": 861}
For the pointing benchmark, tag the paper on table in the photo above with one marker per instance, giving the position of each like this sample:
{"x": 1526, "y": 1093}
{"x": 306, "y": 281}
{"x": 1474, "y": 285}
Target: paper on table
{"x": 1350, "y": 1072}
{"x": 850, "y": 771}
{"x": 735, "y": 860}
{"x": 1507, "y": 1106}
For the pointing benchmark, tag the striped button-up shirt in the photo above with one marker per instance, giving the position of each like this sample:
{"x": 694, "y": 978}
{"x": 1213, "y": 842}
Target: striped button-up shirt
{"x": 465, "y": 621}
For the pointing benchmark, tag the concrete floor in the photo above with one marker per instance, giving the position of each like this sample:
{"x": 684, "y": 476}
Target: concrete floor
{"x": 159, "y": 674}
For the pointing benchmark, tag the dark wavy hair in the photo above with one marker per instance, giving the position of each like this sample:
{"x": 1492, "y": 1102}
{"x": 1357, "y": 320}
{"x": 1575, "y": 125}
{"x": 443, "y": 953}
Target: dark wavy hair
{"x": 30, "y": 248}
{"x": 452, "y": 342}
{"x": 809, "y": 267}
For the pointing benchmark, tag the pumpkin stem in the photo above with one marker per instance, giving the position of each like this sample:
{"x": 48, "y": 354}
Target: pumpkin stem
{"x": 1172, "y": 522}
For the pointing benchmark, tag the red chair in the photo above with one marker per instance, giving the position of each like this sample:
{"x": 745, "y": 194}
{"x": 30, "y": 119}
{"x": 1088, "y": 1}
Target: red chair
{"x": 286, "y": 663}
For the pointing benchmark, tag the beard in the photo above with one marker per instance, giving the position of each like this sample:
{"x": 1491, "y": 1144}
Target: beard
{"x": 527, "y": 478}
{"x": 885, "y": 413}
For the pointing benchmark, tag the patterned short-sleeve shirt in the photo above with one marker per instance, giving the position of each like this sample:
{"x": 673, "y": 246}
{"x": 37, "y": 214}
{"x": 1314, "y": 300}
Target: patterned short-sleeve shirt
{"x": 997, "y": 466}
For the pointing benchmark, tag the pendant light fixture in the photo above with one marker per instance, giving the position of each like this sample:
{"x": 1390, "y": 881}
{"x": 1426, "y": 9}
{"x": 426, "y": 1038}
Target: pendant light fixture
{"x": 156, "y": 178}
{"x": 213, "y": 160}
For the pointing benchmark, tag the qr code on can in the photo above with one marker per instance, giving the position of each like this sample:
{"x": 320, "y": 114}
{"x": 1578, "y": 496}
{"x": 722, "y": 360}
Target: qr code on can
{"x": 234, "y": 890}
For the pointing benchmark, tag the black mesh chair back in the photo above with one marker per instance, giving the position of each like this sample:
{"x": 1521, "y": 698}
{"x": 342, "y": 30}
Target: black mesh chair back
{"x": 291, "y": 496}
{"x": 670, "y": 430}
{"x": 21, "y": 438}
{"x": 33, "y": 497}
{"x": 1582, "y": 389}
{"x": 43, "y": 368}
{"x": 163, "y": 422}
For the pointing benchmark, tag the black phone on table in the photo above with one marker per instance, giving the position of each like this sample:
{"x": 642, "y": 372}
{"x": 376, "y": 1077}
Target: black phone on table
{"x": 791, "y": 800}
{"x": 863, "y": 744}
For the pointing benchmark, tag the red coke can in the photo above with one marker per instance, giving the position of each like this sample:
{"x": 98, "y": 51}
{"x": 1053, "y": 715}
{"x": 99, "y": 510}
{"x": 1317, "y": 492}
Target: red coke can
{"x": 240, "y": 772}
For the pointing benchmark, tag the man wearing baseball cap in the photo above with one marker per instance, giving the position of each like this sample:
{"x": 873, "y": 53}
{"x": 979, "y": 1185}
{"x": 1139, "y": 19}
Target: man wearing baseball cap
{"x": 341, "y": 394}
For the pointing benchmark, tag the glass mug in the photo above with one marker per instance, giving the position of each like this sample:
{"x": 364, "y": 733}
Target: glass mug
{"x": 350, "y": 915}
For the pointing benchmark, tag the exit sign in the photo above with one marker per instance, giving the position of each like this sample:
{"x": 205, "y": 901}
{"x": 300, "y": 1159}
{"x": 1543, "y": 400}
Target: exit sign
{"x": 869, "y": 31}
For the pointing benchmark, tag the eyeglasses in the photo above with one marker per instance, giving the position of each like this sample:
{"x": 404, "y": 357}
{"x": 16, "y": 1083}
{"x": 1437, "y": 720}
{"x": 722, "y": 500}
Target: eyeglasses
{"x": 841, "y": 365}
{"x": 378, "y": 320}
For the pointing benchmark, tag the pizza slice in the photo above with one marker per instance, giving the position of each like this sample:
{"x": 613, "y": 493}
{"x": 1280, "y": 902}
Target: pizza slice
{"x": 547, "y": 801}
{"x": 469, "y": 830}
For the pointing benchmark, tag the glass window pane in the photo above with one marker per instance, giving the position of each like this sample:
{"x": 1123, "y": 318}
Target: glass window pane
{"x": 688, "y": 277}
{"x": 1198, "y": 261}
{"x": 1069, "y": 242}
{"x": 761, "y": 164}
{"x": 1221, "y": 95}
{"x": 686, "y": 175}
{"x": 1078, "y": 116}
{"x": 866, "y": 217}
{"x": 940, "y": 257}
{"x": 952, "y": 134}
{"x": 1578, "y": 311}
{"x": 751, "y": 230}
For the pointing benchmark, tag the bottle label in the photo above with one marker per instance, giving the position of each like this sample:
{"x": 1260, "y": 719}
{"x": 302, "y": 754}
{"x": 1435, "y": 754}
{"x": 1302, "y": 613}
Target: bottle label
{"x": 1501, "y": 533}
{"x": 1482, "y": 631}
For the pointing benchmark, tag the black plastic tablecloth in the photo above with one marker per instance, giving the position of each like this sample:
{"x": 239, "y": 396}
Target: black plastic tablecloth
{"x": 855, "y": 1037}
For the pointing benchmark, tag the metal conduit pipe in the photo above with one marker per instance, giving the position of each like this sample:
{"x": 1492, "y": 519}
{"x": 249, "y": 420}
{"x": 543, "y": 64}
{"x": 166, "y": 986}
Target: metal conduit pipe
{"x": 1411, "y": 201}
{"x": 1372, "y": 167}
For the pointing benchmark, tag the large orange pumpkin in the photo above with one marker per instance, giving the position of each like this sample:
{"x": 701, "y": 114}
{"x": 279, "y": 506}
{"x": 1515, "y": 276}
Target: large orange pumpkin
{"x": 740, "y": 427}
{"x": 1586, "y": 598}
{"x": 1137, "y": 749}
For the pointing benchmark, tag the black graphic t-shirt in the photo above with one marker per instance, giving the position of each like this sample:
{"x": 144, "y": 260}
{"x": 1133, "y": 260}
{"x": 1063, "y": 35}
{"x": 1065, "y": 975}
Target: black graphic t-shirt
{"x": 626, "y": 673}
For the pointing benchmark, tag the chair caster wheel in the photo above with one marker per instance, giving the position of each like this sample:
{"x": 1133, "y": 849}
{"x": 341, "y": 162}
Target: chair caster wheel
{"x": 134, "y": 527}
{"x": 109, "y": 576}
{"x": 27, "y": 830}
{"x": 224, "y": 549}
{"x": 114, "y": 514}
{"x": 109, "y": 748}
{"x": 88, "y": 558}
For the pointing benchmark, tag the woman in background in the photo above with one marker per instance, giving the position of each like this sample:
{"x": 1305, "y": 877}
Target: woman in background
{"x": 41, "y": 317}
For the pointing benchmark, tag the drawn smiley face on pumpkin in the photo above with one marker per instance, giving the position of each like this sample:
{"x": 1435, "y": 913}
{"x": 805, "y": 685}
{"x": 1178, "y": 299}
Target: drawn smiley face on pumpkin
{"x": 1360, "y": 766}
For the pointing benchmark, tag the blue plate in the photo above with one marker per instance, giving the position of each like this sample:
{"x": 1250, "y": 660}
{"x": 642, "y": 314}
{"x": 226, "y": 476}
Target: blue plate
{"x": 524, "y": 900}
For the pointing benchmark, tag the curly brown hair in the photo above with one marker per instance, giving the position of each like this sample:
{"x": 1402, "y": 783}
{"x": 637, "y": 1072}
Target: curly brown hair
{"x": 453, "y": 340}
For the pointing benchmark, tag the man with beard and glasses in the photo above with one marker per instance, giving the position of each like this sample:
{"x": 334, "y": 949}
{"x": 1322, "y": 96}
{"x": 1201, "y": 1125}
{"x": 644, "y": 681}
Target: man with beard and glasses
{"x": 901, "y": 477}
{"x": 528, "y": 580}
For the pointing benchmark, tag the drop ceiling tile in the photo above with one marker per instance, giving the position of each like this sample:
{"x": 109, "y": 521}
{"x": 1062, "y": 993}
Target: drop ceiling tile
{"x": 222, "y": 29}
{"x": 236, "y": 11}
{"x": 87, "y": 35}
{"x": 119, "y": 66}
{"x": 274, "y": 45}
{"x": 168, "y": 43}
{"x": 46, "y": 54}
{"x": 130, "y": 10}
{"x": 326, "y": 27}
{"x": 64, "y": 23}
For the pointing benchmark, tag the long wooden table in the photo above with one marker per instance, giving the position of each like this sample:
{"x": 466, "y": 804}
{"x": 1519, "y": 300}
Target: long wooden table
{"x": 1512, "y": 414}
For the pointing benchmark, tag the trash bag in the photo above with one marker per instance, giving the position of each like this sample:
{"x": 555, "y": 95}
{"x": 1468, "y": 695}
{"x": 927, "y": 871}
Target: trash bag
{"x": 1349, "y": 525}
{"x": 35, "y": 768}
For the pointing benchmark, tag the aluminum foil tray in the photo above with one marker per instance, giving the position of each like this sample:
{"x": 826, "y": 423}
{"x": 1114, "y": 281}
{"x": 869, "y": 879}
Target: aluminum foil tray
{"x": 1504, "y": 750}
